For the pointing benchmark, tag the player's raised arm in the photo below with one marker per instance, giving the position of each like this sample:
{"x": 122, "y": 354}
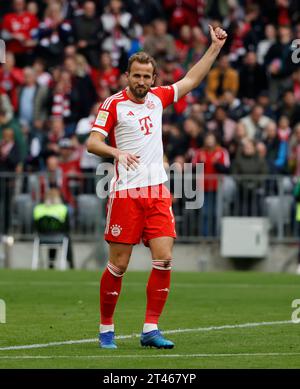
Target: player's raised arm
{"x": 198, "y": 72}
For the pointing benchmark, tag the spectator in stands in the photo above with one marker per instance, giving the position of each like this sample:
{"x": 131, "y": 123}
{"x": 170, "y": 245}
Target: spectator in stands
{"x": 52, "y": 176}
{"x": 216, "y": 161}
{"x": 13, "y": 123}
{"x": 160, "y": 44}
{"x": 280, "y": 12}
{"x": 106, "y": 75}
{"x": 54, "y": 33}
{"x": 294, "y": 154}
{"x": 10, "y": 160}
{"x": 11, "y": 77}
{"x": 83, "y": 94}
{"x": 10, "y": 156}
{"x": 216, "y": 9}
{"x": 33, "y": 8}
{"x": 289, "y": 107}
{"x": 69, "y": 163}
{"x": 170, "y": 71}
{"x": 119, "y": 29}
{"x": 184, "y": 12}
{"x": 17, "y": 30}
{"x": 194, "y": 135}
{"x": 5, "y": 106}
{"x": 33, "y": 100}
{"x": 248, "y": 162}
{"x": 197, "y": 111}
{"x": 88, "y": 161}
{"x": 55, "y": 134}
{"x": 197, "y": 49}
{"x": 276, "y": 149}
{"x": 174, "y": 142}
{"x": 236, "y": 144}
{"x": 61, "y": 98}
{"x": 233, "y": 105}
{"x": 278, "y": 61}
{"x": 238, "y": 30}
{"x": 253, "y": 78}
{"x": 264, "y": 45}
{"x": 263, "y": 99}
{"x": 45, "y": 214}
{"x": 255, "y": 122}
{"x": 256, "y": 32}
{"x": 83, "y": 127}
{"x": 145, "y": 11}
{"x": 284, "y": 130}
{"x": 221, "y": 78}
{"x": 295, "y": 84}
{"x": 183, "y": 43}
{"x": 43, "y": 77}
{"x": 222, "y": 126}
{"x": 87, "y": 33}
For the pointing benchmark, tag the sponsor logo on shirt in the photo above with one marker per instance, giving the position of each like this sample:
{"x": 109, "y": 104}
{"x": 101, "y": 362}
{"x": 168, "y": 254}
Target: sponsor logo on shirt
{"x": 146, "y": 124}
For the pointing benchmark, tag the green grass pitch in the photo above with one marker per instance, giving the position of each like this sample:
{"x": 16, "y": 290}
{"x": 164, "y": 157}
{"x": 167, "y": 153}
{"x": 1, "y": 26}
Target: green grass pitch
{"x": 53, "y": 306}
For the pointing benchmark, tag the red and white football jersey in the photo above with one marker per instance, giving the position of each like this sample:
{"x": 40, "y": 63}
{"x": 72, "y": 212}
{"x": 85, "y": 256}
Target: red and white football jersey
{"x": 23, "y": 23}
{"x": 137, "y": 129}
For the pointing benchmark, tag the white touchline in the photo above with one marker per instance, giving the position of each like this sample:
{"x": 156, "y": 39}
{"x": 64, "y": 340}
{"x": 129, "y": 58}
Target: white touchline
{"x": 180, "y": 330}
{"x": 148, "y": 356}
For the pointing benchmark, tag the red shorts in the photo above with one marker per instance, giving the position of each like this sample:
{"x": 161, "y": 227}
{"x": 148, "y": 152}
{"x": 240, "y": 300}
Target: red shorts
{"x": 139, "y": 213}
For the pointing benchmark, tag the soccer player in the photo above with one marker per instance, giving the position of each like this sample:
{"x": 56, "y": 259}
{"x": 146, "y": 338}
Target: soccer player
{"x": 139, "y": 205}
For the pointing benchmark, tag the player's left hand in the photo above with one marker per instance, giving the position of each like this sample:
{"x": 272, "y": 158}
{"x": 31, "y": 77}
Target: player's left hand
{"x": 218, "y": 36}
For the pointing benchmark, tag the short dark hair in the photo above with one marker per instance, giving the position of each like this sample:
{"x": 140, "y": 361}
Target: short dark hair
{"x": 144, "y": 58}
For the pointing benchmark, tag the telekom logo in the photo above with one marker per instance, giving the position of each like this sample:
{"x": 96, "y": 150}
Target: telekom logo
{"x": 146, "y": 124}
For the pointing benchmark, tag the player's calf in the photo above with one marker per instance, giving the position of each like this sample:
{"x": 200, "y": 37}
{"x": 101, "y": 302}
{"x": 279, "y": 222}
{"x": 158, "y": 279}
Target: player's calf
{"x": 110, "y": 288}
{"x": 157, "y": 293}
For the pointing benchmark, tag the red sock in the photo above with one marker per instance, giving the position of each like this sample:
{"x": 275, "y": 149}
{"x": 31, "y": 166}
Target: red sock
{"x": 157, "y": 294}
{"x": 110, "y": 287}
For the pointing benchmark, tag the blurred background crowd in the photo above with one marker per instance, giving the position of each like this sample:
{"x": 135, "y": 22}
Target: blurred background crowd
{"x": 63, "y": 58}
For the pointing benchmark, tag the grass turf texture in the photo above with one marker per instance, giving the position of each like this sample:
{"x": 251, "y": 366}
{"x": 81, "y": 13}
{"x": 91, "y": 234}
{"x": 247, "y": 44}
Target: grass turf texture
{"x": 50, "y": 306}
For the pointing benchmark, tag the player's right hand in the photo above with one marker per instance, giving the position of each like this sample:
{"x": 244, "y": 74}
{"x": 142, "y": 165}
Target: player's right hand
{"x": 129, "y": 161}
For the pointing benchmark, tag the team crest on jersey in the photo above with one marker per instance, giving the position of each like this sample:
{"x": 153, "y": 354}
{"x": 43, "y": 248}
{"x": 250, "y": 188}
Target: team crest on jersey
{"x": 101, "y": 118}
{"x": 150, "y": 105}
{"x": 115, "y": 230}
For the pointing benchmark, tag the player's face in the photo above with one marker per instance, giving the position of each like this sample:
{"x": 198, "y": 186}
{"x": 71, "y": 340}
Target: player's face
{"x": 140, "y": 79}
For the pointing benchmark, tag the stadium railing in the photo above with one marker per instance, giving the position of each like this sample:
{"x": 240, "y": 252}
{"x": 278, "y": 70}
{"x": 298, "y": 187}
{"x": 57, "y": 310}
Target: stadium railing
{"x": 269, "y": 196}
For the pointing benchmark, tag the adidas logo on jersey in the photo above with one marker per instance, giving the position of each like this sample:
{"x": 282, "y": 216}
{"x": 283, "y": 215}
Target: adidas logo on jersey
{"x": 130, "y": 113}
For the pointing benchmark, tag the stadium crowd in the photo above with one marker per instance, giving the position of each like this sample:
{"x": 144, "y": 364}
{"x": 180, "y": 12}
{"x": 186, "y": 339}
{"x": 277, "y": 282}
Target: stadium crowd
{"x": 64, "y": 57}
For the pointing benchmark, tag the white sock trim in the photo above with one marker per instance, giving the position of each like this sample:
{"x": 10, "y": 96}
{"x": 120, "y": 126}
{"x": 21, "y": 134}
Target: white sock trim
{"x": 160, "y": 264}
{"x": 114, "y": 270}
{"x": 149, "y": 327}
{"x": 106, "y": 328}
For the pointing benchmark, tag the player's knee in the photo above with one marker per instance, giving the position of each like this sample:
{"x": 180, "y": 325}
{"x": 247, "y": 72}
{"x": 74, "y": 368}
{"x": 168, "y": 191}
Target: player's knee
{"x": 162, "y": 264}
{"x": 120, "y": 261}
{"x": 116, "y": 269}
